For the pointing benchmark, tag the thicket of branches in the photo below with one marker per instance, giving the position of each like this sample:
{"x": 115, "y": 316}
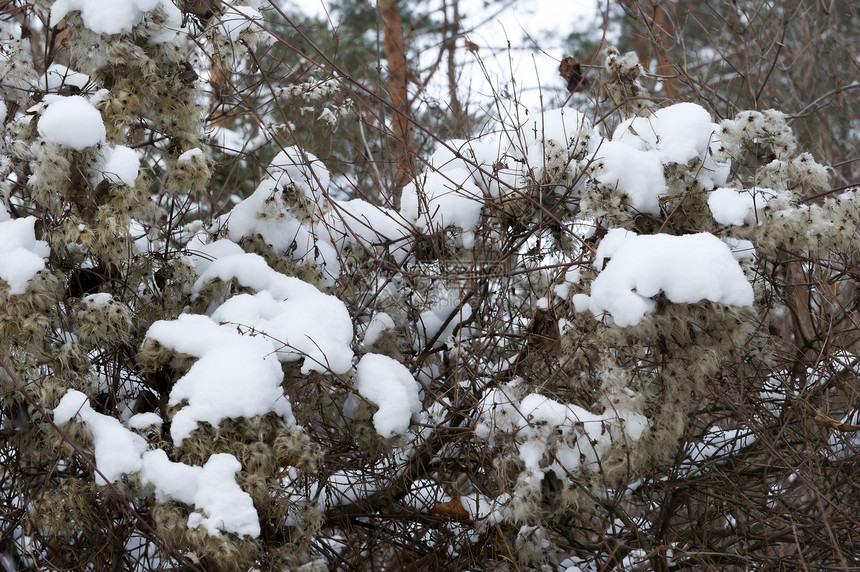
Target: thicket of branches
{"x": 558, "y": 410}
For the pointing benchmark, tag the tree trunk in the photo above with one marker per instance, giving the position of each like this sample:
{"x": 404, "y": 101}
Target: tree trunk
{"x": 395, "y": 54}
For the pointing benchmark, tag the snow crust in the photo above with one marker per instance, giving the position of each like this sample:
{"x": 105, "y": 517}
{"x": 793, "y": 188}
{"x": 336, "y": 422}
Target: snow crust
{"x": 688, "y": 269}
{"x": 72, "y": 122}
{"x": 21, "y": 255}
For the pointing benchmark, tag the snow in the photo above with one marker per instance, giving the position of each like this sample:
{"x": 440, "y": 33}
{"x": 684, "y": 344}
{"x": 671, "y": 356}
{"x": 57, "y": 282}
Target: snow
{"x": 485, "y": 511}
{"x": 687, "y": 269}
{"x": 239, "y": 346}
{"x": 302, "y": 168}
{"x": 633, "y": 161}
{"x": 636, "y": 173}
{"x": 224, "y": 505}
{"x": 286, "y": 222}
{"x": 117, "y": 450}
{"x": 144, "y": 420}
{"x": 389, "y": 385}
{"x": 432, "y": 322}
{"x": 564, "y": 125}
{"x": 58, "y": 75}
{"x": 122, "y": 165}
{"x": 377, "y": 325}
{"x": 733, "y": 207}
{"x": 235, "y": 376}
{"x": 212, "y": 489}
{"x": 72, "y": 122}
{"x": 21, "y": 255}
{"x": 439, "y": 199}
{"x": 237, "y": 19}
{"x": 423, "y": 494}
{"x": 360, "y": 222}
{"x": 203, "y": 253}
{"x": 97, "y": 299}
{"x": 176, "y": 481}
{"x": 450, "y": 193}
{"x": 579, "y": 437}
{"x": 302, "y": 321}
{"x": 715, "y": 447}
{"x": 112, "y": 16}
{"x": 678, "y": 132}
{"x": 730, "y": 206}
{"x": 190, "y": 154}
{"x": 538, "y": 411}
